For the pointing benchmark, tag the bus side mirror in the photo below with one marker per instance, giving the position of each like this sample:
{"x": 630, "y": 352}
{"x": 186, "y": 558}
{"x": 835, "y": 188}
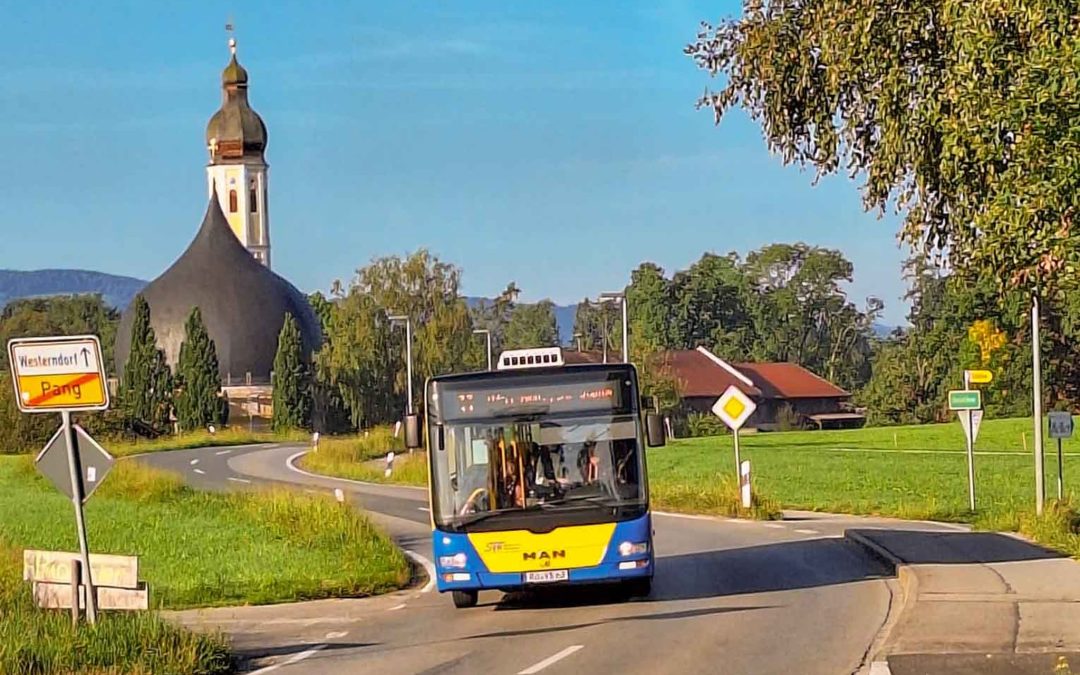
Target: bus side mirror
{"x": 654, "y": 430}
{"x": 412, "y": 431}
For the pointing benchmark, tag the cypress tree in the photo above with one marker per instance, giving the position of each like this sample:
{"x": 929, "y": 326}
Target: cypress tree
{"x": 146, "y": 386}
{"x": 198, "y": 404}
{"x": 291, "y": 382}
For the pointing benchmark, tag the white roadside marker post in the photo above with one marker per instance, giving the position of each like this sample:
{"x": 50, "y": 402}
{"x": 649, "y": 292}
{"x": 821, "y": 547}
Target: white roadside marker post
{"x": 744, "y": 486}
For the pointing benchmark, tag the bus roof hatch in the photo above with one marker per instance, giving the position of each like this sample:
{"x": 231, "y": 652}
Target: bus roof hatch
{"x": 543, "y": 357}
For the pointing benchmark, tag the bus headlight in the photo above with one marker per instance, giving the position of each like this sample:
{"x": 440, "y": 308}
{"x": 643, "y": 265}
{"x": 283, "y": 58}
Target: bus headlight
{"x": 456, "y": 561}
{"x": 628, "y": 548}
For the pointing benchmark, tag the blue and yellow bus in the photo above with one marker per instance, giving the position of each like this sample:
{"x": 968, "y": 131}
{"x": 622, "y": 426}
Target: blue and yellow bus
{"x": 538, "y": 476}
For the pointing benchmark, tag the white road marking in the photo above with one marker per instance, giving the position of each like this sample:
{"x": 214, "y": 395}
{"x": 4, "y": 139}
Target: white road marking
{"x": 194, "y": 462}
{"x": 291, "y": 463}
{"x": 807, "y": 531}
{"x": 739, "y": 521}
{"x": 396, "y": 607}
{"x": 550, "y": 660}
{"x": 424, "y": 509}
{"x": 222, "y": 452}
{"x": 200, "y": 472}
{"x": 688, "y": 516}
{"x": 428, "y": 567}
{"x": 333, "y": 635}
{"x": 775, "y": 526}
{"x": 288, "y": 662}
{"x": 927, "y": 452}
{"x": 239, "y": 480}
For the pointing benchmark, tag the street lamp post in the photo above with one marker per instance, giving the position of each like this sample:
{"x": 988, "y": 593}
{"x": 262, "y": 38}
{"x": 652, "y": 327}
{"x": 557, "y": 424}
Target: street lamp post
{"x": 487, "y": 335}
{"x": 621, "y": 297}
{"x": 404, "y": 319}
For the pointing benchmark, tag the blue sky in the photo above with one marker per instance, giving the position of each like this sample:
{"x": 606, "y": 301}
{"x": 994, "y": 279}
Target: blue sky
{"x": 555, "y": 144}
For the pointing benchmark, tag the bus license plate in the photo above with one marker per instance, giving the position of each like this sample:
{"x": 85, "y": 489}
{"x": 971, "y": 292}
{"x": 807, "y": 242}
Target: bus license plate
{"x": 546, "y": 577}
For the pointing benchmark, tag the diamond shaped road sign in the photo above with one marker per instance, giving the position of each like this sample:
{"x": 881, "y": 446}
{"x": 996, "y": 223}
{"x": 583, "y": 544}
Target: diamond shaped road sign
{"x": 94, "y": 462}
{"x": 734, "y": 407}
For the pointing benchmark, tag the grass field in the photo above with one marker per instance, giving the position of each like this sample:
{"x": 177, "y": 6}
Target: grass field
{"x": 916, "y": 472}
{"x": 198, "y": 439}
{"x": 362, "y": 457}
{"x": 200, "y": 549}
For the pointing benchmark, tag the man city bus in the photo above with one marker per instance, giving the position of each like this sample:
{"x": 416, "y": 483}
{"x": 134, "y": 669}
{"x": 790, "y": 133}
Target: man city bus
{"x": 538, "y": 475}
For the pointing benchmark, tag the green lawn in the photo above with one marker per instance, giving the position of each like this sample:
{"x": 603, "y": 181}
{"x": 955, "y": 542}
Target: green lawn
{"x": 198, "y": 439}
{"x": 909, "y": 472}
{"x": 918, "y": 471}
{"x": 208, "y": 549}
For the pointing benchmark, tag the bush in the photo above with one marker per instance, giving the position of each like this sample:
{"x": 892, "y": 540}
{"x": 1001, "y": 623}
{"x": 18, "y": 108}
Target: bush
{"x": 788, "y": 420}
{"x": 706, "y": 424}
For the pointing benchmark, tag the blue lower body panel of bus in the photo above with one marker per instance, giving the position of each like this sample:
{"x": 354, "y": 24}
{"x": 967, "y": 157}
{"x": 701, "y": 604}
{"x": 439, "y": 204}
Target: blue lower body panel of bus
{"x": 627, "y": 554}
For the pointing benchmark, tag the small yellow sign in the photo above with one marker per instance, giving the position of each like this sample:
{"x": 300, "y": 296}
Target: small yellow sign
{"x": 980, "y": 376}
{"x": 58, "y": 373}
{"x": 734, "y": 407}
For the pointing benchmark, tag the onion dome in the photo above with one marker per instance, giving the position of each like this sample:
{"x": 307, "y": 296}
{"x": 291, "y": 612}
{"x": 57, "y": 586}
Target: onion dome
{"x": 243, "y": 304}
{"x": 235, "y": 132}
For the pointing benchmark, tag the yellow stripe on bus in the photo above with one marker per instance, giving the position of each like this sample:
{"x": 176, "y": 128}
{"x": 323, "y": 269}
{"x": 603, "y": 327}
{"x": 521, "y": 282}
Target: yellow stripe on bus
{"x": 525, "y": 551}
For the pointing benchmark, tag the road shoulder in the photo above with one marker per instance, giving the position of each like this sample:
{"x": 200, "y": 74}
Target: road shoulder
{"x": 983, "y": 595}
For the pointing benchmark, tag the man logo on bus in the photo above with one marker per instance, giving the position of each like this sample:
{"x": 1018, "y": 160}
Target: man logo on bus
{"x": 543, "y": 555}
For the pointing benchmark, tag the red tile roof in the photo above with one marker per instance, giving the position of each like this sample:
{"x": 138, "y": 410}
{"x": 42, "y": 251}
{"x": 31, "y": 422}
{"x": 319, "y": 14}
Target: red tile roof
{"x": 789, "y": 380}
{"x": 700, "y": 375}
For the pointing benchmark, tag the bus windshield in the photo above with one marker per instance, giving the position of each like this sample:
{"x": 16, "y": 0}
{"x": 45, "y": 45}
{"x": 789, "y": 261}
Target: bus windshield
{"x": 494, "y": 467}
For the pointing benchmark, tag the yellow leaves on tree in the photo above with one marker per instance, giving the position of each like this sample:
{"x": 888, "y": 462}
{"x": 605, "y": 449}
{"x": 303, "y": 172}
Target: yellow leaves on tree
{"x": 988, "y": 337}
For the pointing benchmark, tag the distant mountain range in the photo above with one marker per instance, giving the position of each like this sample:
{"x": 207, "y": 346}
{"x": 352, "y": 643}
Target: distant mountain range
{"x": 118, "y": 291}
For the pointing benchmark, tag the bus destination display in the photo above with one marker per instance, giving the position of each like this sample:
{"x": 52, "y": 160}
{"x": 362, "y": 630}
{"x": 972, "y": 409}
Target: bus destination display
{"x": 486, "y": 401}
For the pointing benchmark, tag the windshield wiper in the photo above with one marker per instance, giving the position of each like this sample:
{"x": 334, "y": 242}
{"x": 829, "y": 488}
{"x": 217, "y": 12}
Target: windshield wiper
{"x": 602, "y": 500}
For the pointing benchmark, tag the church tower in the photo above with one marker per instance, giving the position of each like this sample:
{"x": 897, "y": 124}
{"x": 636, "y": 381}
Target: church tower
{"x": 236, "y": 139}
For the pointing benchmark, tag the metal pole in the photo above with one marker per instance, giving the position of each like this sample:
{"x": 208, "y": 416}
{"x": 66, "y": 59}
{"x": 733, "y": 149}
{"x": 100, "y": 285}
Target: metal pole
{"x": 80, "y": 524}
{"x": 625, "y": 333}
{"x": 408, "y": 362}
{"x": 1061, "y": 474}
{"x": 1036, "y": 371}
{"x": 488, "y": 336}
{"x": 603, "y": 320}
{"x": 738, "y": 462}
{"x": 971, "y": 461}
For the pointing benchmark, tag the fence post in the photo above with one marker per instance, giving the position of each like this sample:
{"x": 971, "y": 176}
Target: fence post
{"x": 76, "y": 577}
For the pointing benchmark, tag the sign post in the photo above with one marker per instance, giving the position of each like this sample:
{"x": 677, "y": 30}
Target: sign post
{"x": 1061, "y": 426}
{"x": 968, "y": 406}
{"x": 734, "y": 408}
{"x": 65, "y": 375}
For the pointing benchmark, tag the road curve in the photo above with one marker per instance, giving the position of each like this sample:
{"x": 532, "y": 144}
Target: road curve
{"x": 729, "y": 597}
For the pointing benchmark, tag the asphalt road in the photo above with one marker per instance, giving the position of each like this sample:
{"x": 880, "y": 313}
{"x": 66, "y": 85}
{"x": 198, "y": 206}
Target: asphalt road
{"x": 729, "y": 597}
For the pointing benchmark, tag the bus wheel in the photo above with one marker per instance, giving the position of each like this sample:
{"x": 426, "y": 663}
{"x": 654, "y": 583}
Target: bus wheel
{"x": 640, "y": 588}
{"x": 464, "y": 599}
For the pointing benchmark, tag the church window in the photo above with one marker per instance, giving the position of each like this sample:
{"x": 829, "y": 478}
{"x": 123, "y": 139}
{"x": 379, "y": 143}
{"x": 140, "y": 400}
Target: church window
{"x": 253, "y": 201}
{"x": 232, "y": 202}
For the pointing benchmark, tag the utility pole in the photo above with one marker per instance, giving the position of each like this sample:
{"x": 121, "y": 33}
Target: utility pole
{"x": 1036, "y": 371}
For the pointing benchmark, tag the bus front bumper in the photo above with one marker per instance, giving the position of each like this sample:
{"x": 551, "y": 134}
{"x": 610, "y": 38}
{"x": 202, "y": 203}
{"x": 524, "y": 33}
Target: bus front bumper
{"x": 460, "y": 568}
{"x": 467, "y": 580}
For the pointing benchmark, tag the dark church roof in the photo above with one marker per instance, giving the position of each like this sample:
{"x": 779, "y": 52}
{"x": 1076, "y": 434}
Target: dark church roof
{"x": 243, "y": 304}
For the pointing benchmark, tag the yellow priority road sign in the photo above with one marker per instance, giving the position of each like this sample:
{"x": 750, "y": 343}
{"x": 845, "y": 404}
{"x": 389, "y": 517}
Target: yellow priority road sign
{"x": 58, "y": 373}
{"x": 734, "y": 407}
